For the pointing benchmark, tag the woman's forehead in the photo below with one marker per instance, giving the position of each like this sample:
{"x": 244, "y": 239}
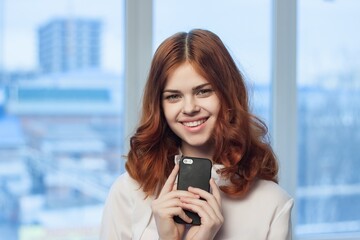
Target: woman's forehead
{"x": 185, "y": 74}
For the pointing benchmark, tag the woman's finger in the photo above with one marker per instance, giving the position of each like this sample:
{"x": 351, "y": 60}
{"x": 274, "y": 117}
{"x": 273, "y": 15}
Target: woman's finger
{"x": 209, "y": 214}
{"x": 215, "y": 191}
{"x": 199, "y": 206}
{"x": 175, "y": 195}
{"x": 213, "y": 199}
{"x": 168, "y": 186}
{"x": 214, "y": 196}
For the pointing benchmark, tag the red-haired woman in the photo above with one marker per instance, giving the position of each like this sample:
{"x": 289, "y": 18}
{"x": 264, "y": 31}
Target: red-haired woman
{"x": 196, "y": 104}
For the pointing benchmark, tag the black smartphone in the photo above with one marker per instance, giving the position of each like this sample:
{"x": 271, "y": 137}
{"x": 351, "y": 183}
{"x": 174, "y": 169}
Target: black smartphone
{"x": 194, "y": 172}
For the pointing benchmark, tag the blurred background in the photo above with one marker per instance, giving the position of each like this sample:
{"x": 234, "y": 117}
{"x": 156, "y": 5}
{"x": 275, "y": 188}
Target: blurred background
{"x": 71, "y": 78}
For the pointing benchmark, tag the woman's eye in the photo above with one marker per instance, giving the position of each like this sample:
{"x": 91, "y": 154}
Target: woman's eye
{"x": 204, "y": 92}
{"x": 172, "y": 98}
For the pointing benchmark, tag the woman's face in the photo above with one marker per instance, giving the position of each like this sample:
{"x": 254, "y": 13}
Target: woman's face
{"x": 191, "y": 108}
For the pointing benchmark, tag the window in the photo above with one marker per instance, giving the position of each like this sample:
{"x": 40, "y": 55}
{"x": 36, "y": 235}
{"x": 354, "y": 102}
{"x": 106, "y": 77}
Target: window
{"x": 61, "y": 101}
{"x": 230, "y": 20}
{"x": 328, "y": 194}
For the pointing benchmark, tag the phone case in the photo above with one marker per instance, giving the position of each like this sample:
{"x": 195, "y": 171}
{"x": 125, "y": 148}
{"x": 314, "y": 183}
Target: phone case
{"x": 194, "y": 172}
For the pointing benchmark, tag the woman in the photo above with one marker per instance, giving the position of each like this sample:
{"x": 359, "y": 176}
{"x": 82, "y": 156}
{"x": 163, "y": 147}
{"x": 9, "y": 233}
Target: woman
{"x": 196, "y": 104}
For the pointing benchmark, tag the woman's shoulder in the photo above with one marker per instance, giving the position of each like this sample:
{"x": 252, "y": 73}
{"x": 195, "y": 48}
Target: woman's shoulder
{"x": 125, "y": 180}
{"x": 270, "y": 191}
{"x": 265, "y": 199}
{"x": 126, "y": 210}
{"x": 124, "y": 186}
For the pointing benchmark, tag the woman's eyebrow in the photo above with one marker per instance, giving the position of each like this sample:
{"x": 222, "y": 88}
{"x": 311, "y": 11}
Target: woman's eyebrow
{"x": 193, "y": 89}
{"x": 200, "y": 86}
{"x": 171, "y": 91}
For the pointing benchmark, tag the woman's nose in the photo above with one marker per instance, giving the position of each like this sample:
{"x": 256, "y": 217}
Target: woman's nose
{"x": 190, "y": 106}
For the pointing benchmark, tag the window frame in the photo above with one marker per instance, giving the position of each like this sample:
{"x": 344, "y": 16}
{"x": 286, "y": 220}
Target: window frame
{"x": 284, "y": 94}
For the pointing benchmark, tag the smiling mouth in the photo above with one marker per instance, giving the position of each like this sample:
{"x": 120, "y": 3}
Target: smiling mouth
{"x": 194, "y": 123}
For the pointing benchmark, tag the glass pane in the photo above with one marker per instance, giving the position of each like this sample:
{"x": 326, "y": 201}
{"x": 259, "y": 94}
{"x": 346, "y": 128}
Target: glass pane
{"x": 234, "y": 21}
{"x": 329, "y": 113}
{"x": 61, "y": 78}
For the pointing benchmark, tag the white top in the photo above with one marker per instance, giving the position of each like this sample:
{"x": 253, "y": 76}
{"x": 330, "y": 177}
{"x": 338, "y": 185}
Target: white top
{"x": 265, "y": 213}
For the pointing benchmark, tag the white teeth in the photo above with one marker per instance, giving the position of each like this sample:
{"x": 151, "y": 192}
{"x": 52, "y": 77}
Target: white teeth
{"x": 194, "y": 123}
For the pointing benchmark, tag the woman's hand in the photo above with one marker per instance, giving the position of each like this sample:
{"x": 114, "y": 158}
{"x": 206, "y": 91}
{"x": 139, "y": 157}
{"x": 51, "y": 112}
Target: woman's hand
{"x": 208, "y": 210}
{"x": 168, "y": 205}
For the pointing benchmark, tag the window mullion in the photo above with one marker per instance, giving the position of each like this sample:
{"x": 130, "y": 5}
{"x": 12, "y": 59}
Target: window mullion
{"x": 138, "y": 53}
{"x": 284, "y": 92}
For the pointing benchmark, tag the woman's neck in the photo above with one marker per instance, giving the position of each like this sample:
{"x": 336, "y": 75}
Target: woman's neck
{"x": 195, "y": 151}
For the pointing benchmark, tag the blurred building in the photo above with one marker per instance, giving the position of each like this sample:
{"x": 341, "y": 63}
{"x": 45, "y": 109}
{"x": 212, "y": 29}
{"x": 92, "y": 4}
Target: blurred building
{"x": 68, "y": 116}
{"x": 69, "y": 44}
{"x": 71, "y": 129}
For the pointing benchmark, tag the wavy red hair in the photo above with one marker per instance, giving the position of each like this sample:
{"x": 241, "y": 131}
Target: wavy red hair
{"x": 244, "y": 150}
